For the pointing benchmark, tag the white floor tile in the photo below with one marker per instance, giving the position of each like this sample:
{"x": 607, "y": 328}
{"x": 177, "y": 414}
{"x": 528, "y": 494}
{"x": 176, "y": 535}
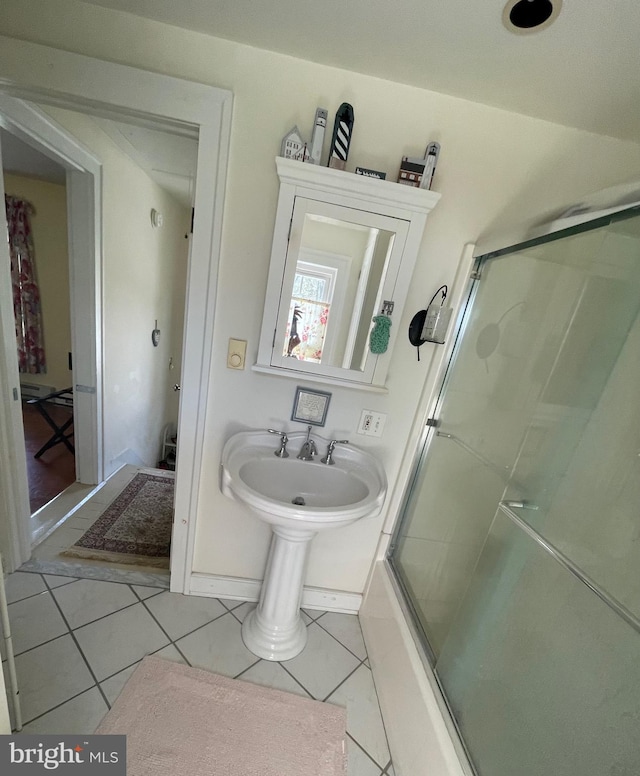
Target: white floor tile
{"x": 49, "y": 675}
{"x": 390, "y": 771}
{"x": 62, "y": 538}
{"x": 346, "y": 628}
{"x": 243, "y": 610}
{"x": 270, "y": 674}
{"x": 89, "y": 599}
{"x": 358, "y": 763}
{"x": 170, "y": 653}
{"x": 181, "y": 614}
{"x": 21, "y": 585}
{"x": 56, "y": 686}
{"x": 54, "y": 580}
{"x": 112, "y": 687}
{"x": 34, "y": 621}
{"x": 230, "y": 603}
{"x": 52, "y": 513}
{"x": 323, "y": 663}
{"x": 82, "y": 714}
{"x": 45, "y": 552}
{"x": 364, "y": 721}
{"x": 218, "y": 647}
{"x": 313, "y": 614}
{"x": 146, "y": 592}
{"x": 120, "y": 639}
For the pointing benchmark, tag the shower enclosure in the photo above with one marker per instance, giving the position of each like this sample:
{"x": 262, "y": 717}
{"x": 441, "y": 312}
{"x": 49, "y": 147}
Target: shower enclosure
{"x": 518, "y": 551}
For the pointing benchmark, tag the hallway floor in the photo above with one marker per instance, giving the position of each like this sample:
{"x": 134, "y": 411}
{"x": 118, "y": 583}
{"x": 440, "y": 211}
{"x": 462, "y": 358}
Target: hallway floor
{"x": 77, "y": 641}
{"x": 56, "y": 469}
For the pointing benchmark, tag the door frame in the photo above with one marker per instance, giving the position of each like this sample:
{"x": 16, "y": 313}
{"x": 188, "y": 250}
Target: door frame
{"x": 34, "y": 72}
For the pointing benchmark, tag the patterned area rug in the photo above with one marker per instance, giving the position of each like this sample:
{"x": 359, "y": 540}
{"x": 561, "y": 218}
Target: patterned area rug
{"x": 136, "y": 527}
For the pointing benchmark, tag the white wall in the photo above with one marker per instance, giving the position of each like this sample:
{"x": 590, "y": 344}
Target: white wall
{"x": 495, "y": 168}
{"x": 144, "y": 278}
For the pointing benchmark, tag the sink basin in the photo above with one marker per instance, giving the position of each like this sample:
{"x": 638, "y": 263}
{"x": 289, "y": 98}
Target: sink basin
{"x": 298, "y": 499}
{"x": 302, "y": 494}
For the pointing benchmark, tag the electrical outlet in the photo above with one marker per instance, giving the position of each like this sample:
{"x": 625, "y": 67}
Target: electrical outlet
{"x": 371, "y": 423}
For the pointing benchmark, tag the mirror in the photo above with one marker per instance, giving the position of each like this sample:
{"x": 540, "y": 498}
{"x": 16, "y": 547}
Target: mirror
{"x": 339, "y": 269}
{"x": 337, "y": 260}
{"x": 339, "y": 266}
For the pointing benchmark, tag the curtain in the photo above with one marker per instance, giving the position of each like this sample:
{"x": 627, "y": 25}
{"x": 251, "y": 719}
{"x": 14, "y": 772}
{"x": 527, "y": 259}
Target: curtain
{"x": 306, "y": 329}
{"x": 26, "y": 295}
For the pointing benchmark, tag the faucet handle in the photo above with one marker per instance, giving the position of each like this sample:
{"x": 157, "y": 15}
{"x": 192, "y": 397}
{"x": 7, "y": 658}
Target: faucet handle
{"x": 328, "y": 459}
{"x": 282, "y": 451}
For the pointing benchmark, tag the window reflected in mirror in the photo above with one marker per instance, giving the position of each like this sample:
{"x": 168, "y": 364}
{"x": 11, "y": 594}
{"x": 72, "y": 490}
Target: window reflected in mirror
{"x": 336, "y": 291}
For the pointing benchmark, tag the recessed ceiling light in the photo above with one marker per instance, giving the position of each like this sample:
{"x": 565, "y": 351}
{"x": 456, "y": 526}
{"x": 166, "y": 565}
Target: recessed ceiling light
{"x": 524, "y": 16}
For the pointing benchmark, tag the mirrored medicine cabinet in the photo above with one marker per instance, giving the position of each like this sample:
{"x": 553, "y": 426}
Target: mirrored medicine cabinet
{"x": 344, "y": 248}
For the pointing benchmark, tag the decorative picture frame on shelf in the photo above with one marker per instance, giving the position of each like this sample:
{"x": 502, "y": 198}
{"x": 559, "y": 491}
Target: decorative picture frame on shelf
{"x": 310, "y": 406}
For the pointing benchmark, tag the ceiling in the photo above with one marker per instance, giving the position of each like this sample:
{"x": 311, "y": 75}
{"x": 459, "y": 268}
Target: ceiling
{"x": 168, "y": 159}
{"x": 582, "y": 71}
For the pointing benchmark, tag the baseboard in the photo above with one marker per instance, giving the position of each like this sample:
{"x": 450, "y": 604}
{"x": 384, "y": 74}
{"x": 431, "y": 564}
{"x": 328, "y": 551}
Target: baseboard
{"x": 130, "y": 457}
{"x": 420, "y": 737}
{"x": 239, "y": 589}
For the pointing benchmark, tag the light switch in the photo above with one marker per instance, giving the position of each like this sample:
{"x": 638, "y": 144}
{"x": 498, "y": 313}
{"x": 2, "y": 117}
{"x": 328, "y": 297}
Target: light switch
{"x": 236, "y": 353}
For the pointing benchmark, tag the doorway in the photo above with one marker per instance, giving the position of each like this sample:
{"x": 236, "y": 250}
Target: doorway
{"x": 190, "y": 110}
{"x": 147, "y": 185}
{"x": 35, "y": 187}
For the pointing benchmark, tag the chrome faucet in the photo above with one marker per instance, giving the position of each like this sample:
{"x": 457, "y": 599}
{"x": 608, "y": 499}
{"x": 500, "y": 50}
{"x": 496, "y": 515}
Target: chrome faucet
{"x": 282, "y": 450}
{"x": 328, "y": 459}
{"x": 308, "y": 449}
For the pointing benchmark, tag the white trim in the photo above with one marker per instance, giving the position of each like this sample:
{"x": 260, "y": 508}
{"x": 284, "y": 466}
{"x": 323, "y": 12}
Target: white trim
{"x": 358, "y": 302}
{"x": 419, "y": 737}
{"x": 440, "y": 356}
{"x": 32, "y": 71}
{"x": 14, "y": 492}
{"x": 202, "y": 287}
{"x": 307, "y": 377}
{"x": 376, "y": 192}
{"x": 240, "y": 589}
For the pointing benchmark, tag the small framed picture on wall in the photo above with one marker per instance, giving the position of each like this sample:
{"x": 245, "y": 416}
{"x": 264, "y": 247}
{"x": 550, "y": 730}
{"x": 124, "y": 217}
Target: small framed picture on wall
{"x": 311, "y": 406}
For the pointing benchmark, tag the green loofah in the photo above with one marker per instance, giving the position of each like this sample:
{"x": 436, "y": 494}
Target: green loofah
{"x": 379, "y": 337}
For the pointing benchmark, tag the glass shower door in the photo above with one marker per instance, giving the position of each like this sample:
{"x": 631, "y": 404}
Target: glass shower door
{"x": 539, "y": 414}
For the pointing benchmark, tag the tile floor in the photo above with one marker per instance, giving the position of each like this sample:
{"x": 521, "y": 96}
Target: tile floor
{"x": 78, "y": 640}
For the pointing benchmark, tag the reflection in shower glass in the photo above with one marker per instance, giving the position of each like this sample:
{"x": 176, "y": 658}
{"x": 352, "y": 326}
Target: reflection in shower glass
{"x": 539, "y": 409}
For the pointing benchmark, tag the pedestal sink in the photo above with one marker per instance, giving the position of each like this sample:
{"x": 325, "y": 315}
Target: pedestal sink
{"x": 298, "y": 499}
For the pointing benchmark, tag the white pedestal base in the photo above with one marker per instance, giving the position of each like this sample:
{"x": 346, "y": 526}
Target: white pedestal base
{"x": 274, "y": 630}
